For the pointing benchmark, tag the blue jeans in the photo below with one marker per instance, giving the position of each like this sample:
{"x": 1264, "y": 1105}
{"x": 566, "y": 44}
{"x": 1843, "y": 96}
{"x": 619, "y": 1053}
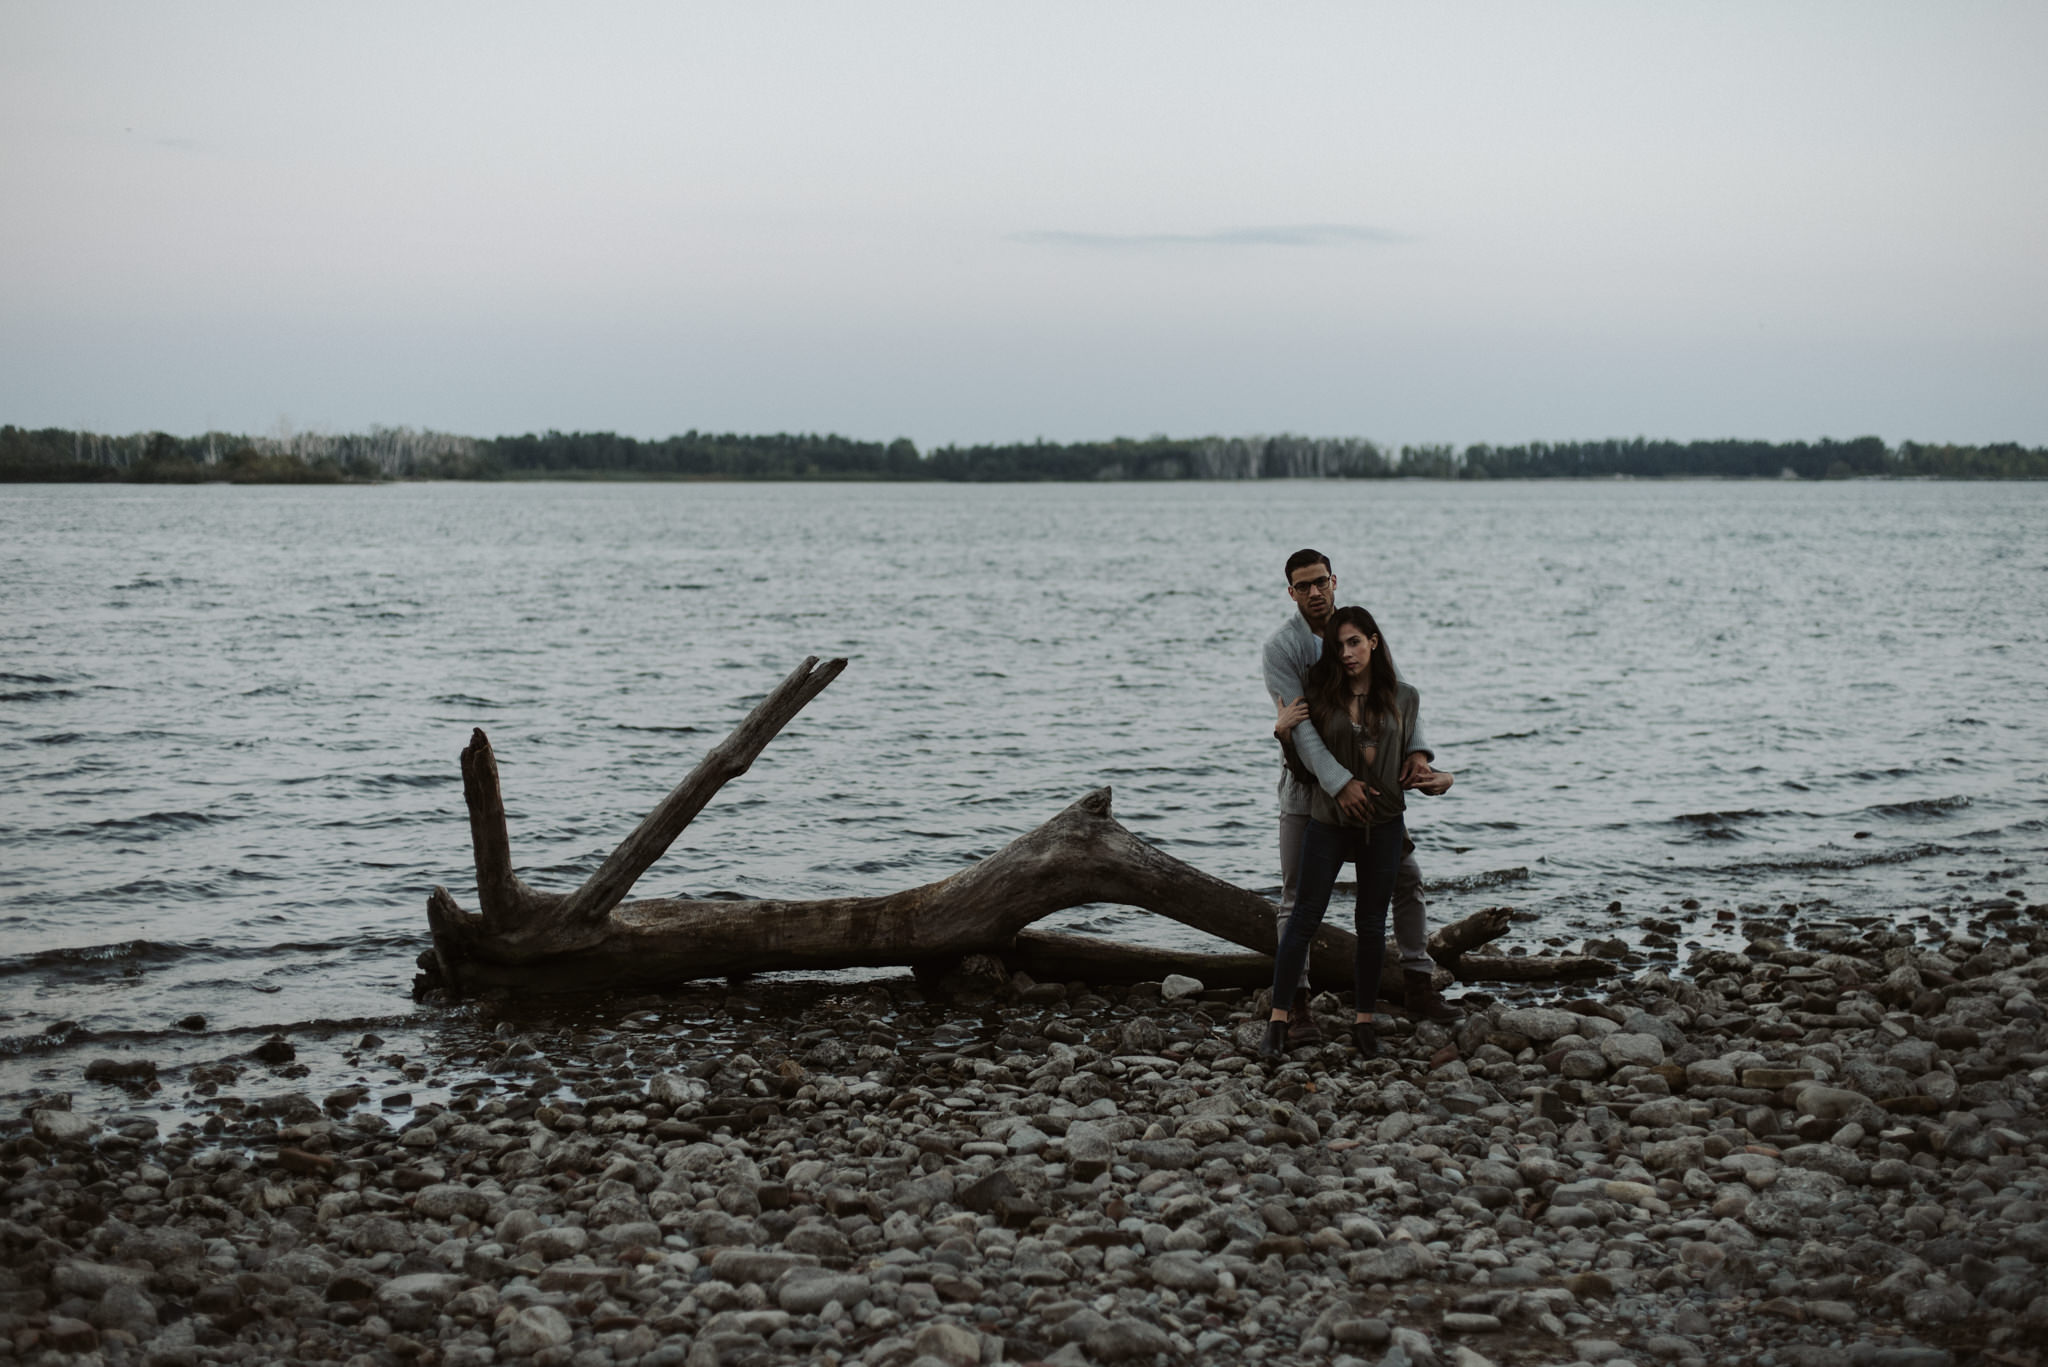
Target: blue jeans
{"x": 1324, "y": 850}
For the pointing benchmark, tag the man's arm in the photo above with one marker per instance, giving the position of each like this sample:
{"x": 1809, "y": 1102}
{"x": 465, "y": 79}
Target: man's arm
{"x": 1283, "y": 684}
{"x": 1416, "y": 765}
{"x": 1416, "y": 744}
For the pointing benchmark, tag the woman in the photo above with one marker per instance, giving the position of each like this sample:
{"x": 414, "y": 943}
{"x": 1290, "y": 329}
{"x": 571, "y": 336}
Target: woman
{"x": 1365, "y": 714}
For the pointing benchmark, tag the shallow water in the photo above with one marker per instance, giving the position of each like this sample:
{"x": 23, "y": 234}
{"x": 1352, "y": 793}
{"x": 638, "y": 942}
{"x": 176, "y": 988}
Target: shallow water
{"x": 229, "y": 717}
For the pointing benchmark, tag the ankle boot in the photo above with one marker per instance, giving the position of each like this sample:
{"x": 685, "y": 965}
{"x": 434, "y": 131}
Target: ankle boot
{"x": 1302, "y": 1029}
{"x": 1418, "y": 990}
{"x": 1273, "y": 1046}
{"x": 1365, "y": 1039}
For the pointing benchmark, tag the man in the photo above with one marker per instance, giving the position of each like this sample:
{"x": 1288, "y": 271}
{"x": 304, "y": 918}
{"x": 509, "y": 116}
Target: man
{"x": 1312, "y": 585}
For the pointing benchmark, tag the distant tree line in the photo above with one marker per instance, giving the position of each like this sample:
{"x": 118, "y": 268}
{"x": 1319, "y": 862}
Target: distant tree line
{"x": 386, "y": 453}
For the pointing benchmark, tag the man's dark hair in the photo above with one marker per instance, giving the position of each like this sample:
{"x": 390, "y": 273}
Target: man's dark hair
{"x": 1303, "y": 558}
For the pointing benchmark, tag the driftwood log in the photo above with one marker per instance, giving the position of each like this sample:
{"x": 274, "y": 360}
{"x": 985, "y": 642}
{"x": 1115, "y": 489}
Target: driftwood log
{"x": 523, "y": 939}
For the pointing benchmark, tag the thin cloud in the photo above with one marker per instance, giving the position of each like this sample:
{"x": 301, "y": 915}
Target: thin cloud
{"x": 1272, "y": 235}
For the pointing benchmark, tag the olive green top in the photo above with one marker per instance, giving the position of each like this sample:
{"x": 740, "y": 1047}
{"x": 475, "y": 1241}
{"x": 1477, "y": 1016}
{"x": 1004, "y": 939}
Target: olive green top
{"x": 1351, "y": 742}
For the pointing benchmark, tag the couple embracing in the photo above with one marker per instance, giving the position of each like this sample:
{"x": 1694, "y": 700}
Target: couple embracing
{"x": 1350, "y": 731}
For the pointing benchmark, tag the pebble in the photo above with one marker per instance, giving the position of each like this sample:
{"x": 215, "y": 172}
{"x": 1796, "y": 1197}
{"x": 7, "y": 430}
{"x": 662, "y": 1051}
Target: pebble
{"x": 1752, "y": 1157}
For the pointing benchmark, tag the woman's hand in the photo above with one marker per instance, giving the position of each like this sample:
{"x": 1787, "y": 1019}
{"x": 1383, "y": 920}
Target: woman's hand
{"x": 1292, "y": 714}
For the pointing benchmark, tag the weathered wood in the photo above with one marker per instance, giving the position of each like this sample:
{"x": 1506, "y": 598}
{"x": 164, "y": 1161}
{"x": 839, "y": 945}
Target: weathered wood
{"x": 1081, "y": 856}
{"x": 723, "y": 763}
{"x": 1061, "y": 956}
{"x": 528, "y": 940}
{"x": 1532, "y": 968}
{"x": 1448, "y": 944}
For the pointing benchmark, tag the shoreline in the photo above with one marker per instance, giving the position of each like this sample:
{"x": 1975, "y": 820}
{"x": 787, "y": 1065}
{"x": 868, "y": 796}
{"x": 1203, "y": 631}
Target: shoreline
{"x": 1827, "y": 1148}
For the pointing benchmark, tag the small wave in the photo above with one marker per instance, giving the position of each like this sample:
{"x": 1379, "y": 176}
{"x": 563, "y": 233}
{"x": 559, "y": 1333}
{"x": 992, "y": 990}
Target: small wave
{"x": 38, "y": 694}
{"x": 91, "y": 960}
{"x": 1871, "y": 775}
{"x": 1928, "y": 806}
{"x": 156, "y": 821}
{"x": 6, "y": 677}
{"x": 57, "y": 738}
{"x": 1837, "y": 861}
{"x": 462, "y": 700}
{"x": 1726, "y": 818}
{"x": 56, "y": 1037}
{"x": 1722, "y": 825}
{"x": 664, "y": 730}
{"x": 373, "y": 782}
{"x": 1472, "y": 882}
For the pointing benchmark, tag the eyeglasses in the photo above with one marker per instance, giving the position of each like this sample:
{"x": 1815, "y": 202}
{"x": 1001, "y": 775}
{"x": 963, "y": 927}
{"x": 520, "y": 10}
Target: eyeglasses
{"x": 1310, "y": 585}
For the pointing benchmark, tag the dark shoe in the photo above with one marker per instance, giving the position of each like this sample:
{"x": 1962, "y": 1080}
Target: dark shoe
{"x": 1364, "y": 1039}
{"x": 1302, "y": 1029}
{"x": 1273, "y": 1047}
{"x": 1418, "y": 990}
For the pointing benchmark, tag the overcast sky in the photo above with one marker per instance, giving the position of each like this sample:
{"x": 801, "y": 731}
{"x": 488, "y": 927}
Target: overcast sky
{"x": 973, "y": 222}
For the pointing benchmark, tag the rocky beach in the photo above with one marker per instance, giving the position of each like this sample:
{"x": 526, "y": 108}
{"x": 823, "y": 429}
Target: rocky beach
{"x": 1824, "y": 1148}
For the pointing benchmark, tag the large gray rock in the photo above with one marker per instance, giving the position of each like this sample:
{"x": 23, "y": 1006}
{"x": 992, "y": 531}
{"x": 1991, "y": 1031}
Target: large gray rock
{"x": 433, "y": 1287}
{"x": 1584, "y": 1065}
{"x": 1396, "y": 1262}
{"x": 1176, "y": 986}
{"x": 1674, "y": 1154}
{"x": 537, "y": 1327}
{"x": 448, "y": 1200}
{"x": 1163, "y": 1153}
{"x": 1089, "y": 1151}
{"x": 950, "y": 1344}
{"x": 1182, "y": 1272}
{"x": 1542, "y": 1024}
{"x": 1662, "y": 1113}
{"x": 1623, "y": 1048}
{"x": 1140, "y": 1036}
{"x": 676, "y": 1090}
{"x": 807, "y": 1290}
{"x": 1124, "y": 1338}
{"x": 126, "y": 1307}
{"x": 739, "y": 1265}
{"x": 1834, "y": 1103}
{"x": 556, "y": 1242}
{"x": 1832, "y": 1159}
{"x": 58, "y": 1128}
{"x": 1663, "y": 1027}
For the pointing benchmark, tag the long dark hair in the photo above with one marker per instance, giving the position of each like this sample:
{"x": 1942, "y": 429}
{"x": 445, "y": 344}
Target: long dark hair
{"x": 1329, "y": 691}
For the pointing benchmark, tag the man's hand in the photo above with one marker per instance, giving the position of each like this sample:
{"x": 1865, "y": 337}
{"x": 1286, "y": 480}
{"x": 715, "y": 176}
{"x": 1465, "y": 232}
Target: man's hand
{"x": 1435, "y": 784}
{"x": 1354, "y": 800}
{"x": 1415, "y": 768}
{"x": 1292, "y": 714}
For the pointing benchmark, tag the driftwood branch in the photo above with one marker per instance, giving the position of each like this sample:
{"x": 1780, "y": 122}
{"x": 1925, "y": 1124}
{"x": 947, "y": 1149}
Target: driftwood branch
{"x": 1533, "y": 968}
{"x": 524, "y": 939}
{"x": 725, "y": 762}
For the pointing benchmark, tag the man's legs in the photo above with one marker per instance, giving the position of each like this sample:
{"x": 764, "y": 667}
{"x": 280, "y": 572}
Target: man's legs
{"x": 1301, "y": 1024}
{"x": 1411, "y": 934}
{"x": 1411, "y": 919}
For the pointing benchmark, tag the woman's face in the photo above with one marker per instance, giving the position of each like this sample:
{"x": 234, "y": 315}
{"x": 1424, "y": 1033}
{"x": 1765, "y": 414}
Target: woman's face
{"x": 1354, "y": 650}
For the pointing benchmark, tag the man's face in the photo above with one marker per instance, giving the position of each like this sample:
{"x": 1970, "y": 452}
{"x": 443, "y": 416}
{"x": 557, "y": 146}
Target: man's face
{"x": 1314, "y": 590}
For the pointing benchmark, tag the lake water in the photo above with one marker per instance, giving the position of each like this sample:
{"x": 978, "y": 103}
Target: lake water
{"x": 229, "y": 717}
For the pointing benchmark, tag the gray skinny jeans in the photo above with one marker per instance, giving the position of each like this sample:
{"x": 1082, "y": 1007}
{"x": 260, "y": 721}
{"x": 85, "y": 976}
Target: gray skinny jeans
{"x": 1411, "y": 919}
